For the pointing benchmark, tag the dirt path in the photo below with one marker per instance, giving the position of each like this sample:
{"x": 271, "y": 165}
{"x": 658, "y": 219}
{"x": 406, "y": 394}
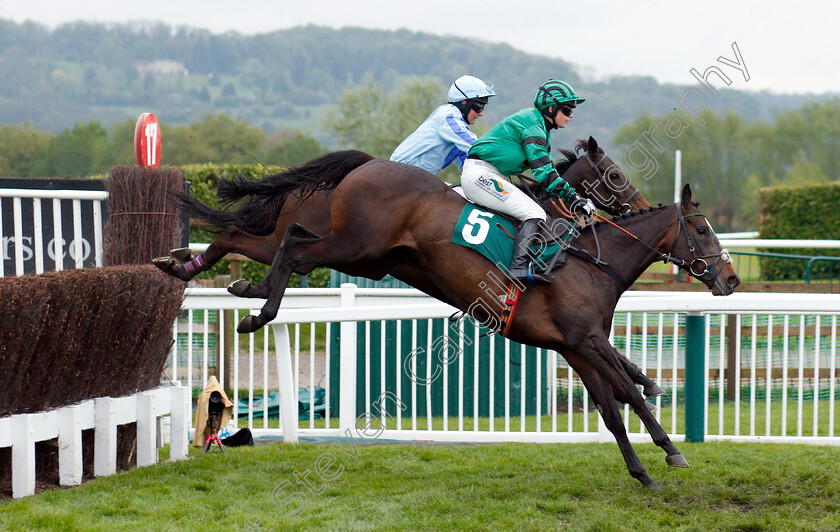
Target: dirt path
{"x": 304, "y": 371}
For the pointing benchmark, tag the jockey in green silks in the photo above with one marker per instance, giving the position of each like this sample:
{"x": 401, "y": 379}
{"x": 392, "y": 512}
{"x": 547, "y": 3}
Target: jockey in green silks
{"x": 517, "y": 143}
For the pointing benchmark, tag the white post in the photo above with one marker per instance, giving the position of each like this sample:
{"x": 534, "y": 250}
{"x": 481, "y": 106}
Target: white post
{"x": 105, "y": 437}
{"x": 146, "y": 429}
{"x": 347, "y": 374}
{"x": 677, "y": 175}
{"x": 23, "y": 456}
{"x": 70, "y": 446}
{"x": 677, "y": 190}
{"x": 604, "y": 434}
{"x": 18, "y": 225}
{"x": 181, "y": 412}
{"x": 285, "y": 383}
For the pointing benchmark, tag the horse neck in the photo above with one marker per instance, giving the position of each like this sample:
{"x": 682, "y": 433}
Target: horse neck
{"x": 629, "y": 257}
{"x": 575, "y": 174}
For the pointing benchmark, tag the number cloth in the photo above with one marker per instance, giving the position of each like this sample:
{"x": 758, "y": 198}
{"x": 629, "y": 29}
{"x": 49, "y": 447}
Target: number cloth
{"x": 480, "y": 230}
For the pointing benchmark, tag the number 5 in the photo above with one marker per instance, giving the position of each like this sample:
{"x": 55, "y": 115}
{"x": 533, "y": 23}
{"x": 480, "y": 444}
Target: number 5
{"x": 476, "y": 231}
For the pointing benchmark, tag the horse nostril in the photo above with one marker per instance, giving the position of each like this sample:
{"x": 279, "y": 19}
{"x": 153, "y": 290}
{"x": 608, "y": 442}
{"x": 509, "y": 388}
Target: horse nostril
{"x": 733, "y": 281}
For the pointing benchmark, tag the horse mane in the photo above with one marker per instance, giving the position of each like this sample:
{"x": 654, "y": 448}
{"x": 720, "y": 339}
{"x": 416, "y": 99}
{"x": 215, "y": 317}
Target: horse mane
{"x": 626, "y": 216}
{"x": 267, "y": 195}
{"x": 535, "y": 189}
{"x": 570, "y": 157}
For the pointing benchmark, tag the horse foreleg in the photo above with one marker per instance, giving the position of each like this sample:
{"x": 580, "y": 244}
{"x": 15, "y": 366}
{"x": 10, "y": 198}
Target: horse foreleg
{"x": 631, "y": 396}
{"x": 601, "y": 393}
{"x": 674, "y": 457}
{"x": 651, "y": 389}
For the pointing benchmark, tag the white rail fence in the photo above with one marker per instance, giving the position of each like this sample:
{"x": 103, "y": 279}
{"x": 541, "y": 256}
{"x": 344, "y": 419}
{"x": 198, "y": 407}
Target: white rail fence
{"x": 785, "y": 349}
{"x": 46, "y": 208}
{"x": 22, "y": 431}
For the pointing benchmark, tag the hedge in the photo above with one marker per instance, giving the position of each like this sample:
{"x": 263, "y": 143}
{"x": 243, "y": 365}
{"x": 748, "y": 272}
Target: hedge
{"x": 799, "y": 212}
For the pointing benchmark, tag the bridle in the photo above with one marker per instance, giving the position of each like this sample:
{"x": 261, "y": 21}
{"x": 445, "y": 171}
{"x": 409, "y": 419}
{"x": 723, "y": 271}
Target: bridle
{"x": 698, "y": 267}
{"x": 625, "y": 205}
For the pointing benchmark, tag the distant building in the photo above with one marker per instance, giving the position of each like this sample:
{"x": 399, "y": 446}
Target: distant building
{"x": 162, "y": 67}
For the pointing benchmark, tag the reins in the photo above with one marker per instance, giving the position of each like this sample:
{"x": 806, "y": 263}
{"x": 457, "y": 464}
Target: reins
{"x": 704, "y": 275}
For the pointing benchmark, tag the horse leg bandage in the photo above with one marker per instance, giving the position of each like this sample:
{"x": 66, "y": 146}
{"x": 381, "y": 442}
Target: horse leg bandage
{"x": 194, "y": 265}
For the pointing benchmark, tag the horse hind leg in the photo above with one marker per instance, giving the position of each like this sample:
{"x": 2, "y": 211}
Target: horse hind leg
{"x": 182, "y": 264}
{"x": 650, "y": 388}
{"x": 243, "y": 288}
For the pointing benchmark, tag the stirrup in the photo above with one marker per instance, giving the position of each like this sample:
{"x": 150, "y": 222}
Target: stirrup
{"x": 532, "y": 278}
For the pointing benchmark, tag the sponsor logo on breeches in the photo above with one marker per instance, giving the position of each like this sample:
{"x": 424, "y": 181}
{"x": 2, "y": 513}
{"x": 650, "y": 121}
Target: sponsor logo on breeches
{"x": 493, "y": 187}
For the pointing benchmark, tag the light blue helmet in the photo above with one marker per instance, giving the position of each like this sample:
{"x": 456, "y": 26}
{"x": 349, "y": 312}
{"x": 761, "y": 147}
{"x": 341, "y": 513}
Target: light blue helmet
{"x": 469, "y": 88}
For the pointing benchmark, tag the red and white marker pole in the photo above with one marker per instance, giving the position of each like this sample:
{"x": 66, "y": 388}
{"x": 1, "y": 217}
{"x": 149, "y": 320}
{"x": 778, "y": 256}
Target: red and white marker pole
{"x": 147, "y": 140}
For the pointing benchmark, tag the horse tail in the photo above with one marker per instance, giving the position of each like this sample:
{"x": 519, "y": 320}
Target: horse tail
{"x": 259, "y": 214}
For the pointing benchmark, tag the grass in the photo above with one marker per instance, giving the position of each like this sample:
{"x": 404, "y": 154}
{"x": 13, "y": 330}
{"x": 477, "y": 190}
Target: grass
{"x": 665, "y": 416}
{"x": 470, "y": 487}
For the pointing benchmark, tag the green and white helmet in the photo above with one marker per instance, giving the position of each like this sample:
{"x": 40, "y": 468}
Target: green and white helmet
{"x": 555, "y": 92}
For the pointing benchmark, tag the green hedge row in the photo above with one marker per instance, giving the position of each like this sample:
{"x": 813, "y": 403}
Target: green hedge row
{"x": 204, "y": 180}
{"x": 800, "y": 212}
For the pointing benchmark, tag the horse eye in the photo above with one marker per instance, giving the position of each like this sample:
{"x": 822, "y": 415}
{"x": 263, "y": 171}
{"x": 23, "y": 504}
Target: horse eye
{"x": 701, "y": 230}
{"x": 614, "y": 176}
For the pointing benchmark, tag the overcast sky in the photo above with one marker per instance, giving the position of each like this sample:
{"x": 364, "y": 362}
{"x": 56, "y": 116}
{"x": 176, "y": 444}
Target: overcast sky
{"x": 785, "y": 46}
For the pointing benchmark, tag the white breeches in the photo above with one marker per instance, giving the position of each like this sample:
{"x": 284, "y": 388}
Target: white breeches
{"x": 485, "y": 185}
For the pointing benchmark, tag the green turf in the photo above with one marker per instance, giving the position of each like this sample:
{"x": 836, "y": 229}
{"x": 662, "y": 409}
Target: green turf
{"x": 461, "y": 487}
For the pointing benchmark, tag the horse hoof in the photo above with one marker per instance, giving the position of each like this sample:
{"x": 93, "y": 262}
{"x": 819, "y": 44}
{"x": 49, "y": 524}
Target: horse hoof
{"x": 651, "y": 406}
{"x": 169, "y": 266}
{"x": 653, "y": 390}
{"x": 676, "y": 460}
{"x": 181, "y": 254}
{"x": 247, "y": 325}
{"x": 655, "y": 486}
{"x": 239, "y": 288}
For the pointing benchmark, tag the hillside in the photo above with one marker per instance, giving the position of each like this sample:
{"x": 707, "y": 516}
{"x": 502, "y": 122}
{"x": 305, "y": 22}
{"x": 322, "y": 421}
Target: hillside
{"x": 287, "y": 79}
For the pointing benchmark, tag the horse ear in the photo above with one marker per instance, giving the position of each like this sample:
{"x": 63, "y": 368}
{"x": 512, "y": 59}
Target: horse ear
{"x": 592, "y": 148}
{"x": 686, "y": 195}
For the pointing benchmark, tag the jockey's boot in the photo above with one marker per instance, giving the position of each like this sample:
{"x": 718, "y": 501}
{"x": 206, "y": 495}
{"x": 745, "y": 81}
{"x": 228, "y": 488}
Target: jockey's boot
{"x": 521, "y": 267}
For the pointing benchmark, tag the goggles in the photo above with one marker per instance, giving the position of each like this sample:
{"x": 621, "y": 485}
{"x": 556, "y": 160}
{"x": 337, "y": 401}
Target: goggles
{"x": 567, "y": 109}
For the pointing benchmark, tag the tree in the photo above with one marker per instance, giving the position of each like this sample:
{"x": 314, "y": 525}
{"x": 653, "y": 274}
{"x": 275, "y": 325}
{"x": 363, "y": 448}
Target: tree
{"x": 217, "y": 138}
{"x": 290, "y": 148}
{"x": 80, "y": 152}
{"x": 368, "y": 120}
{"x": 719, "y": 155}
{"x": 21, "y": 148}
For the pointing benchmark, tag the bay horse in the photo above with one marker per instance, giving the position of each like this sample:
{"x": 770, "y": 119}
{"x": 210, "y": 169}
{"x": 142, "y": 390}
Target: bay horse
{"x": 301, "y": 195}
{"x": 386, "y": 217}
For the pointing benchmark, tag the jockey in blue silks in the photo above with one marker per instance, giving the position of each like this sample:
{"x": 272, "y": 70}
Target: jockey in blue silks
{"x": 445, "y": 136}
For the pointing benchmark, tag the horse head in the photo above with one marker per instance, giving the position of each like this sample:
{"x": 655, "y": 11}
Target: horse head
{"x": 697, "y": 250}
{"x": 595, "y": 176}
